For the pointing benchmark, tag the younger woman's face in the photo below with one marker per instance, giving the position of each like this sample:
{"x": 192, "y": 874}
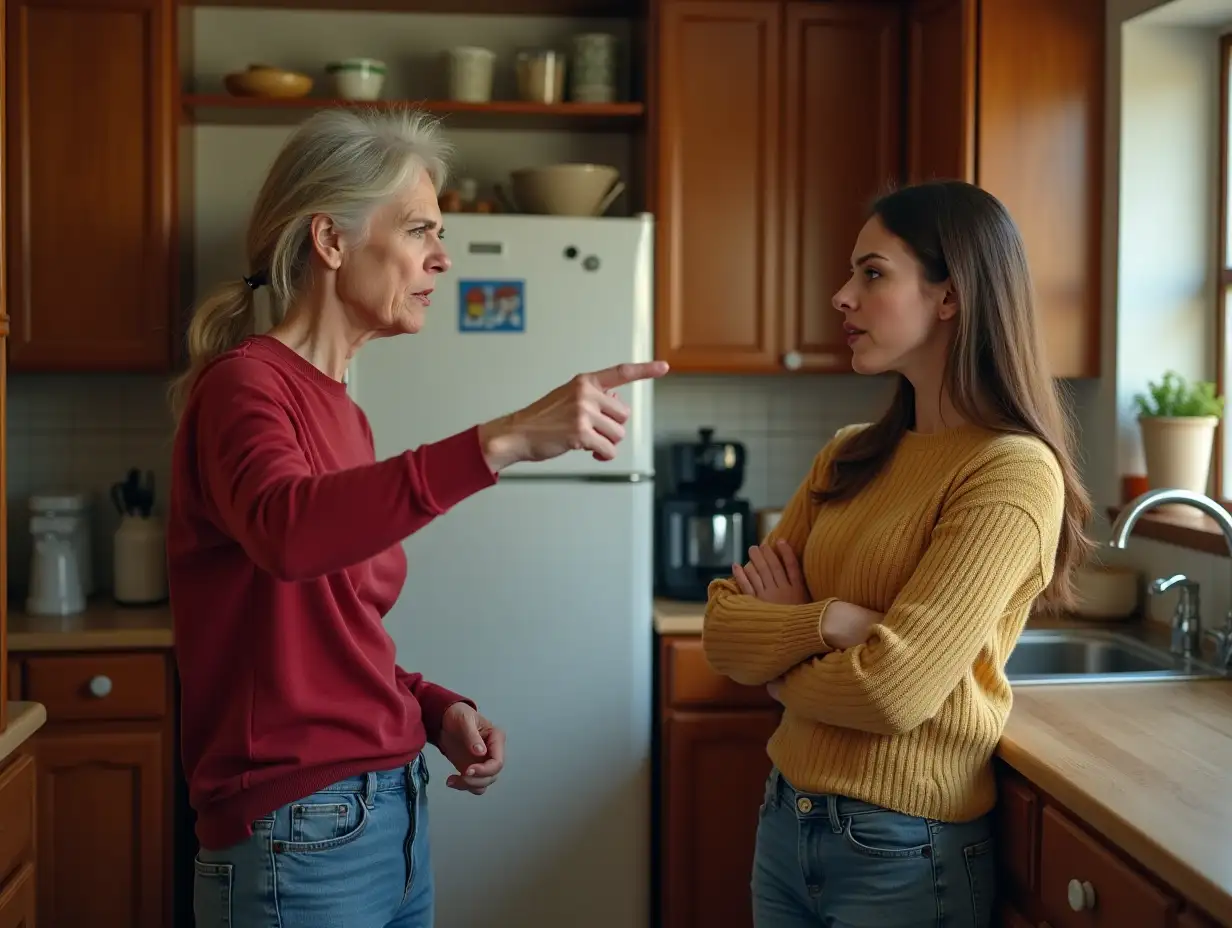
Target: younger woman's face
{"x": 896, "y": 320}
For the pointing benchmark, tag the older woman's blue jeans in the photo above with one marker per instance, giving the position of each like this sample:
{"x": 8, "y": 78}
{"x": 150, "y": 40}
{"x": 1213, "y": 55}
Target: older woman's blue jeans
{"x": 834, "y": 861}
{"x": 354, "y": 855}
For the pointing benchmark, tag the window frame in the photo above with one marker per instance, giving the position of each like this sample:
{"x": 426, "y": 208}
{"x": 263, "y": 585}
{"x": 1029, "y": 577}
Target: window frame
{"x": 1222, "y": 487}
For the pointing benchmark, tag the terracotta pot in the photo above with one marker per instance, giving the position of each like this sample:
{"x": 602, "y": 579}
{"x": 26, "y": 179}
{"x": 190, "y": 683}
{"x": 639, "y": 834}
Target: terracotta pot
{"x": 1178, "y": 452}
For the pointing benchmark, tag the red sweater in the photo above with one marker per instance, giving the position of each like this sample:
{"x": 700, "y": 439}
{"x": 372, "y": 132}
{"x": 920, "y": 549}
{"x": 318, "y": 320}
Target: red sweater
{"x": 284, "y": 555}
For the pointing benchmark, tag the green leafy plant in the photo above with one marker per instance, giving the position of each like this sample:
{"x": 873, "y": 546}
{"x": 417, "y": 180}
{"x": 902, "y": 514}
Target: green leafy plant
{"x": 1175, "y": 397}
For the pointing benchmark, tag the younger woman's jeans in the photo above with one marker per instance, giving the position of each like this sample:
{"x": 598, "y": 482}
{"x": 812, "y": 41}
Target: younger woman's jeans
{"x": 826, "y": 860}
{"x": 354, "y": 855}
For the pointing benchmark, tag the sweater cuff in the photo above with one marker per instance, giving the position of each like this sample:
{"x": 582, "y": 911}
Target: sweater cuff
{"x": 434, "y": 702}
{"x": 454, "y": 468}
{"x": 800, "y": 632}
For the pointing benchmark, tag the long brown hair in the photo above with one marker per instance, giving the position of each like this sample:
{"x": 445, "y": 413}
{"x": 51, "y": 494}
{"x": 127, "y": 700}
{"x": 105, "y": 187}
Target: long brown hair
{"x": 995, "y": 373}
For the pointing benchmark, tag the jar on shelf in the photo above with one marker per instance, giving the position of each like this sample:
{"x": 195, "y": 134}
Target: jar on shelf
{"x": 592, "y": 72}
{"x": 541, "y": 75}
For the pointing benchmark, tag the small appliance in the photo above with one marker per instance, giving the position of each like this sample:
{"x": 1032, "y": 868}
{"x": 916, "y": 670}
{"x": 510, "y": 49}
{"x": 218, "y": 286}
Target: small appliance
{"x": 703, "y": 527}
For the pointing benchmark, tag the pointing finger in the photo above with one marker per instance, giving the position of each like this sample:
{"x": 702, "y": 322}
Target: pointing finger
{"x": 622, "y": 374}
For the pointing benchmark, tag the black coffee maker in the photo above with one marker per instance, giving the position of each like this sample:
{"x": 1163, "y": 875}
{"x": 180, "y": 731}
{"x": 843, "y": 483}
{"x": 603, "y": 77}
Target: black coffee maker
{"x": 702, "y": 528}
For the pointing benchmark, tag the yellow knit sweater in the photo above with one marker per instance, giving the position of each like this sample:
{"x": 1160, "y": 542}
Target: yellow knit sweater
{"x": 953, "y": 541}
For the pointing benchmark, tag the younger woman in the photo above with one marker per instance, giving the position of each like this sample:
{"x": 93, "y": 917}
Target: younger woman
{"x": 882, "y": 608}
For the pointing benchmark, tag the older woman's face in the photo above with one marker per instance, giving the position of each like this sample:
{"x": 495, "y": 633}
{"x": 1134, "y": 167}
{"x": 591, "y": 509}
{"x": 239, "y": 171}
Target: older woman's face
{"x": 386, "y": 281}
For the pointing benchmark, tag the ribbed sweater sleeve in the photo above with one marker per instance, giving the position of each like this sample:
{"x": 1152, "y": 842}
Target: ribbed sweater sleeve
{"x": 297, "y": 524}
{"x": 752, "y": 641}
{"x": 991, "y": 551}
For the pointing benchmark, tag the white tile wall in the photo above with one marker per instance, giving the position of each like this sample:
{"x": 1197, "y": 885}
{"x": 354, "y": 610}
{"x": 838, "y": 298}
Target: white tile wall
{"x": 782, "y": 421}
{"x": 81, "y": 433}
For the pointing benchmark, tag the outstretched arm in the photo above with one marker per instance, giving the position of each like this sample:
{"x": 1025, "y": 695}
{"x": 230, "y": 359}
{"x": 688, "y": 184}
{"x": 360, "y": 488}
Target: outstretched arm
{"x": 297, "y": 524}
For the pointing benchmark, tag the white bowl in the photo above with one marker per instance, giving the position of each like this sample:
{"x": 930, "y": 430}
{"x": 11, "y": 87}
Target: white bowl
{"x": 357, "y": 78}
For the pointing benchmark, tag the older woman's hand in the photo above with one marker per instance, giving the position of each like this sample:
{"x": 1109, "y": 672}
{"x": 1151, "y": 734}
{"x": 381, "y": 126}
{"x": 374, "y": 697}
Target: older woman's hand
{"x": 772, "y": 574}
{"x": 582, "y": 415}
{"x": 474, "y": 746}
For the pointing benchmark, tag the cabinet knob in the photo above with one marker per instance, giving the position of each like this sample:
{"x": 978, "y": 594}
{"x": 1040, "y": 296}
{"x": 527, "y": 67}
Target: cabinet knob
{"x": 100, "y": 686}
{"x": 792, "y": 360}
{"x": 1081, "y": 896}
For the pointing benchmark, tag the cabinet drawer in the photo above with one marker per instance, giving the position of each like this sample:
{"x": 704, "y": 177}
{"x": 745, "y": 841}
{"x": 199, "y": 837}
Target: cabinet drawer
{"x": 690, "y": 681}
{"x": 1018, "y": 831}
{"x": 16, "y": 813}
{"x": 17, "y": 899}
{"x": 98, "y": 686}
{"x": 1083, "y": 885}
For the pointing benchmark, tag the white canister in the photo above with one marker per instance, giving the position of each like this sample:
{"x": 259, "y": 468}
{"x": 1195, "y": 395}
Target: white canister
{"x": 592, "y": 72}
{"x": 470, "y": 74}
{"x": 140, "y": 561}
{"x": 55, "y": 581}
{"x": 74, "y": 507}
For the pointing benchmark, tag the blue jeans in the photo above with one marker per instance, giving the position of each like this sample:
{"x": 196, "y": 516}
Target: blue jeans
{"x": 354, "y": 855}
{"x": 834, "y": 861}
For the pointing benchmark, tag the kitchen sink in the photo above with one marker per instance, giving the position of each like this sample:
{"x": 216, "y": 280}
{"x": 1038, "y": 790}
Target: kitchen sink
{"x": 1093, "y": 656}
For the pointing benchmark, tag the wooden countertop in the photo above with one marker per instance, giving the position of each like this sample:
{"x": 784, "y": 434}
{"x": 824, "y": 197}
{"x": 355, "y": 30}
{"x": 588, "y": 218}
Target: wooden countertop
{"x": 1145, "y": 764}
{"x": 25, "y": 718}
{"x": 676, "y": 617}
{"x": 104, "y": 626}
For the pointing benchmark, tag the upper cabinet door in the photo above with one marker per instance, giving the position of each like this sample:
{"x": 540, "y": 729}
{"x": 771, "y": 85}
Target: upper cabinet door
{"x": 941, "y": 84}
{"x": 842, "y": 147}
{"x": 718, "y": 105}
{"x": 1040, "y": 151}
{"x": 90, "y": 182}
{"x": 1009, "y": 94}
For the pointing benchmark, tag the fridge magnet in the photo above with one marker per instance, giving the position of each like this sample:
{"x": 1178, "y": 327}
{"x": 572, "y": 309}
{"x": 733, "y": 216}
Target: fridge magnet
{"x": 491, "y": 306}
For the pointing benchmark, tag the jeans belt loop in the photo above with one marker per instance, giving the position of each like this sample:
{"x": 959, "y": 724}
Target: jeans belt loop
{"x": 836, "y": 824}
{"x": 370, "y": 790}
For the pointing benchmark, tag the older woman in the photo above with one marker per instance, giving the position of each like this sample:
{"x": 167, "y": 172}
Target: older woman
{"x": 302, "y": 737}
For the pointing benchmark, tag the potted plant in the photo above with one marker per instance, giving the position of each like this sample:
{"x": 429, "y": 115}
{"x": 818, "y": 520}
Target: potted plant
{"x": 1178, "y": 421}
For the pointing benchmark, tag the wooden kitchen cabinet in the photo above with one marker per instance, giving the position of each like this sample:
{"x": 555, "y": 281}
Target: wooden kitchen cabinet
{"x": 1056, "y": 871}
{"x": 17, "y": 841}
{"x": 776, "y": 124}
{"x": 105, "y": 772}
{"x": 712, "y": 740}
{"x": 1009, "y": 94}
{"x": 90, "y": 102}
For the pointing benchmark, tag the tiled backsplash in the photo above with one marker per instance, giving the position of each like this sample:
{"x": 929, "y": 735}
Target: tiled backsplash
{"x": 782, "y": 421}
{"x": 83, "y": 432}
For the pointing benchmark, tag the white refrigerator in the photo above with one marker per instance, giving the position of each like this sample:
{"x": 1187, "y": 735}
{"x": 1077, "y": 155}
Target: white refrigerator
{"x": 534, "y": 596}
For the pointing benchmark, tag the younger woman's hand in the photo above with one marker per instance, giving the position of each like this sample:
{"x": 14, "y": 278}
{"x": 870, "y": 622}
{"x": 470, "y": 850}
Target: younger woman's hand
{"x": 846, "y": 625}
{"x": 773, "y": 575}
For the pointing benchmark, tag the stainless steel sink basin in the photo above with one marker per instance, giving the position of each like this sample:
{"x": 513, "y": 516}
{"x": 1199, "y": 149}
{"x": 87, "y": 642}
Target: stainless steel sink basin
{"x": 1093, "y": 656}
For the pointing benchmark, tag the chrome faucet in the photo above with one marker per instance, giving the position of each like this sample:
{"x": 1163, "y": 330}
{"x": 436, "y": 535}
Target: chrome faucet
{"x": 1186, "y": 623}
{"x": 1186, "y": 617}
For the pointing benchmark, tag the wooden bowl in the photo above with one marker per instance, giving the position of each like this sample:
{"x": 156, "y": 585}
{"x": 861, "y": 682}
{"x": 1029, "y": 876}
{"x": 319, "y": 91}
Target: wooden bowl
{"x": 263, "y": 81}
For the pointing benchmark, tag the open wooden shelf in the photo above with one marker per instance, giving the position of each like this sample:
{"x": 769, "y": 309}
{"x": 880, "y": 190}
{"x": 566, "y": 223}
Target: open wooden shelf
{"x": 224, "y": 109}
{"x": 572, "y": 8}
